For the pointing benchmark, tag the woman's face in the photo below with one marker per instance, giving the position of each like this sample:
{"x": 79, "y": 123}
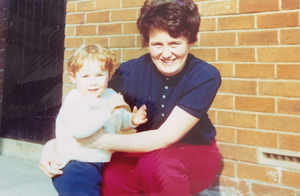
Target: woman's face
{"x": 168, "y": 54}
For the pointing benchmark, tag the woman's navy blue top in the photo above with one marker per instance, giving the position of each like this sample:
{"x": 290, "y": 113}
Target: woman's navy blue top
{"x": 193, "y": 89}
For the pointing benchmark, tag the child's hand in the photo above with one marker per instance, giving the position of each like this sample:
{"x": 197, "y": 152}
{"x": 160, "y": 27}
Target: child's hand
{"x": 115, "y": 102}
{"x": 139, "y": 116}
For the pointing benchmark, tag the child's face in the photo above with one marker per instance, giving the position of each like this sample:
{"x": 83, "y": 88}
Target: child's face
{"x": 91, "y": 80}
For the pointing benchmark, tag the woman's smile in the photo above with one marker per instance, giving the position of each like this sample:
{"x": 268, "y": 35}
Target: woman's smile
{"x": 168, "y": 54}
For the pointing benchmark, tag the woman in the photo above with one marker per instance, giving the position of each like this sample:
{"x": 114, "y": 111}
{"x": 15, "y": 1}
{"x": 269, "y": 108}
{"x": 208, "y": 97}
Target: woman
{"x": 175, "y": 152}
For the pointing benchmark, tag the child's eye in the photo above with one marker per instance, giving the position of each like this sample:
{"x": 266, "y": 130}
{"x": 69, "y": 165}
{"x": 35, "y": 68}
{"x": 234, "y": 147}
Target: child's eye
{"x": 85, "y": 76}
{"x": 99, "y": 75}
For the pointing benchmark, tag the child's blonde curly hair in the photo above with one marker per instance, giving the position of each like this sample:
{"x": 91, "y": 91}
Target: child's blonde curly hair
{"x": 93, "y": 52}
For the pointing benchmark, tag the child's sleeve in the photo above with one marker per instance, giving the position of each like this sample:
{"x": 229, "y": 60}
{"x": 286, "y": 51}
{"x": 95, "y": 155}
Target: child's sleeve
{"x": 82, "y": 117}
{"x": 126, "y": 120}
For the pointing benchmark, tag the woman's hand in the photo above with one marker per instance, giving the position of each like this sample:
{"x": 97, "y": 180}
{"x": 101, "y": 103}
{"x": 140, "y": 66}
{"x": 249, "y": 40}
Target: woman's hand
{"x": 49, "y": 156}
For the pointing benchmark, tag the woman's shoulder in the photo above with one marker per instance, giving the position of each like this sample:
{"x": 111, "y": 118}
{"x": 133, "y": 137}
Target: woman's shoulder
{"x": 201, "y": 67}
{"x": 136, "y": 63}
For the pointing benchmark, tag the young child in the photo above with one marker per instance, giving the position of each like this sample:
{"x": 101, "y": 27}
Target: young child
{"x": 85, "y": 110}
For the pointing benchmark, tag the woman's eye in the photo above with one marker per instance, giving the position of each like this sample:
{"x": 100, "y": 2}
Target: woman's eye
{"x": 156, "y": 44}
{"x": 85, "y": 76}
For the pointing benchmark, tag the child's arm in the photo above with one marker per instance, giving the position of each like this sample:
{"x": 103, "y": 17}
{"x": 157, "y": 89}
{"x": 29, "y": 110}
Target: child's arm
{"x": 83, "y": 120}
{"x": 139, "y": 116}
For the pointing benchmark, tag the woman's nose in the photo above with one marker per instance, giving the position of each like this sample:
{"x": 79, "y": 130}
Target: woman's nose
{"x": 166, "y": 52}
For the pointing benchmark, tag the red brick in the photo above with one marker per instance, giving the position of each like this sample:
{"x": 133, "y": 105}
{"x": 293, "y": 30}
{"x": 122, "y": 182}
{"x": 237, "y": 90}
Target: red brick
{"x": 290, "y": 4}
{"x": 290, "y": 36}
{"x": 70, "y": 30}
{"x": 124, "y": 15}
{"x": 223, "y": 102}
{"x": 254, "y": 70}
{"x": 73, "y": 42}
{"x": 130, "y": 28}
{"x": 236, "y": 119}
{"x": 236, "y": 22}
{"x": 102, "y": 41}
{"x": 289, "y": 142}
{"x": 288, "y": 106}
{"x": 122, "y": 41}
{"x": 278, "y": 88}
{"x": 217, "y": 39}
{"x": 256, "y": 104}
{"x": 208, "y": 24}
{"x": 218, "y": 8}
{"x": 75, "y": 18}
{"x": 238, "y": 87}
{"x": 85, "y": 6}
{"x": 97, "y": 17}
{"x": 212, "y": 115}
{"x": 288, "y": 71}
{"x": 254, "y": 172}
{"x": 239, "y": 153}
{"x": 257, "y": 138}
{"x": 279, "y": 123}
{"x": 275, "y": 20}
{"x": 236, "y": 54}
{"x": 206, "y": 54}
{"x": 258, "y": 38}
{"x": 225, "y": 134}
{"x": 139, "y": 40}
{"x": 67, "y": 54}
{"x": 118, "y": 54}
{"x": 248, "y": 6}
{"x": 110, "y": 29}
{"x": 133, "y": 53}
{"x": 133, "y": 3}
{"x": 225, "y": 69}
{"x": 86, "y": 30}
{"x": 278, "y": 54}
{"x": 291, "y": 179}
{"x": 266, "y": 190}
{"x": 227, "y": 168}
{"x": 105, "y": 4}
{"x": 66, "y": 79}
{"x": 71, "y": 7}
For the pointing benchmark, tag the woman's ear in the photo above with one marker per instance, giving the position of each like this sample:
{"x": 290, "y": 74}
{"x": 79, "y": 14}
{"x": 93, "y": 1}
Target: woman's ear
{"x": 72, "y": 77}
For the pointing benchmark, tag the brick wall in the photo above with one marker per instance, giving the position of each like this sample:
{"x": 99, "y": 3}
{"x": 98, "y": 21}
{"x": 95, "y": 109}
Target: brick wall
{"x": 256, "y": 46}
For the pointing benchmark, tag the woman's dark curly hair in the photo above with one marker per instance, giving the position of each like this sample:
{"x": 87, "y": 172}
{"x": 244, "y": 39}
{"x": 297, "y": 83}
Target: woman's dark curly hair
{"x": 177, "y": 17}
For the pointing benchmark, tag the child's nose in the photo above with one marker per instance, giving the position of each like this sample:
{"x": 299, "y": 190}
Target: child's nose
{"x": 92, "y": 81}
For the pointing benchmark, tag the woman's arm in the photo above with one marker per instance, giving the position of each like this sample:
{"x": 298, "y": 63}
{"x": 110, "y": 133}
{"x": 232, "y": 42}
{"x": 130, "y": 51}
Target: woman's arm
{"x": 49, "y": 155}
{"x": 172, "y": 130}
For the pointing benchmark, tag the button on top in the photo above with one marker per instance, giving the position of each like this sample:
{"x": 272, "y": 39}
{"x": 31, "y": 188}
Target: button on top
{"x": 164, "y": 96}
{"x": 166, "y": 87}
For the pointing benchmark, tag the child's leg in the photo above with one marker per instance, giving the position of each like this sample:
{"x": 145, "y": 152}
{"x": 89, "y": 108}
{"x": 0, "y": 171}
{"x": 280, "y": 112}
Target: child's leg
{"x": 79, "y": 178}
